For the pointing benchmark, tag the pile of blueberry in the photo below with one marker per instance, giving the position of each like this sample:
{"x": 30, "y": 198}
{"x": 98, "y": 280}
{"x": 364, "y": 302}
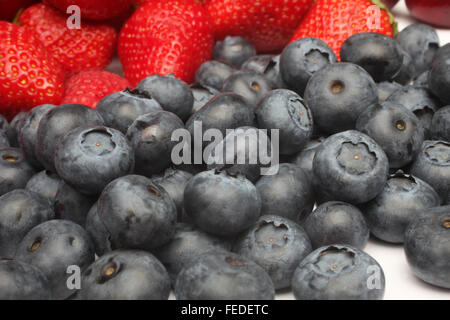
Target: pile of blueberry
{"x": 364, "y": 147}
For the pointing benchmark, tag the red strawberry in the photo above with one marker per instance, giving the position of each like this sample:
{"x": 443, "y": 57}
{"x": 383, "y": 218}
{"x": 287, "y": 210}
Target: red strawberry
{"x": 29, "y": 75}
{"x": 268, "y": 24}
{"x": 91, "y": 47}
{"x": 436, "y": 12}
{"x": 94, "y": 9}
{"x": 9, "y": 9}
{"x": 89, "y": 87}
{"x": 163, "y": 37}
{"x": 333, "y": 21}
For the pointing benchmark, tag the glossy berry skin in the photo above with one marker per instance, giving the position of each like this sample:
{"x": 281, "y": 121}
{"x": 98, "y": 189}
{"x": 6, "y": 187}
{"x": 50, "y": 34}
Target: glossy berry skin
{"x": 146, "y": 226}
{"x": 433, "y": 166}
{"x": 268, "y": 24}
{"x": 88, "y": 158}
{"x": 304, "y": 159}
{"x": 278, "y": 245}
{"x": 426, "y": 246}
{"x": 439, "y": 78}
{"x": 164, "y": 37}
{"x": 202, "y": 95}
{"x": 351, "y": 167}
{"x": 269, "y": 65}
{"x": 378, "y": 54}
{"x": 150, "y": 137}
{"x": 53, "y": 246}
{"x": 421, "y": 42}
{"x": 403, "y": 199}
{"x": 44, "y": 183}
{"x": 386, "y": 88}
{"x": 442, "y": 52}
{"x": 28, "y": 131}
{"x": 22, "y": 281}
{"x": 89, "y": 87}
{"x": 440, "y": 125}
{"x": 14, "y": 170}
{"x": 337, "y": 94}
{"x": 286, "y": 111}
{"x": 338, "y": 272}
{"x": 120, "y": 109}
{"x": 125, "y": 275}
{"x": 55, "y": 124}
{"x": 434, "y": 12}
{"x": 249, "y": 84}
{"x": 288, "y": 193}
{"x": 213, "y": 74}
{"x": 221, "y": 275}
{"x": 396, "y": 129}
{"x": 301, "y": 59}
{"x": 221, "y": 204}
{"x": 97, "y": 231}
{"x": 337, "y": 222}
{"x": 20, "y": 211}
{"x": 407, "y": 71}
{"x": 13, "y": 129}
{"x": 187, "y": 245}
{"x": 98, "y": 10}
{"x": 235, "y": 50}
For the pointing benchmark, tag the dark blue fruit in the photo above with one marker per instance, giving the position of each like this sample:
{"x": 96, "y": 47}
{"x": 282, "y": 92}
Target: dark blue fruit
{"x": 338, "y": 272}
{"x": 213, "y": 74}
{"x": 440, "y": 125}
{"x": 269, "y": 66}
{"x": 4, "y": 141}
{"x": 278, "y": 245}
{"x": 407, "y": 72}
{"x": 4, "y": 125}
{"x": 439, "y": 78}
{"x": 422, "y": 80}
{"x": 337, "y": 222}
{"x": 386, "y": 88}
{"x": 14, "y": 170}
{"x": 202, "y": 94}
{"x": 404, "y": 197}
{"x": 235, "y": 50}
{"x": 220, "y": 275}
{"x": 351, "y": 167}
{"x": 337, "y": 94}
{"x": 45, "y": 183}
{"x": 125, "y": 275}
{"x": 14, "y": 128}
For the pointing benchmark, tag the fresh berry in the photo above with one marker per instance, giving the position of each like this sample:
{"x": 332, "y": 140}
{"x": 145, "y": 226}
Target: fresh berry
{"x": 440, "y": 125}
{"x": 386, "y": 88}
{"x": 234, "y": 50}
{"x": 14, "y": 170}
{"x": 202, "y": 94}
{"x": 89, "y": 87}
{"x": 14, "y": 127}
{"x": 436, "y": 12}
{"x": 214, "y": 73}
{"x": 90, "y": 47}
{"x": 164, "y": 37}
{"x": 439, "y": 78}
{"x": 268, "y": 65}
{"x": 268, "y": 24}
{"x": 45, "y": 183}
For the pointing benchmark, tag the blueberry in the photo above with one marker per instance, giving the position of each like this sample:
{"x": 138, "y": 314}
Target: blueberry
{"x": 338, "y": 272}
{"x": 378, "y": 54}
{"x": 351, "y": 167}
{"x": 301, "y": 59}
{"x": 120, "y": 109}
{"x": 278, "y": 245}
{"x": 214, "y": 73}
{"x": 151, "y": 137}
{"x": 269, "y": 65}
{"x": 97, "y": 231}
{"x": 288, "y": 193}
{"x": 28, "y": 132}
{"x": 422, "y": 79}
{"x": 45, "y": 183}
{"x": 404, "y": 197}
{"x": 337, "y": 94}
{"x": 421, "y": 42}
{"x": 249, "y": 84}
{"x": 220, "y": 203}
{"x": 4, "y": 124}
{"x": 202, "y": 95}
{"x": 22, "y": 281}
{"x": 337, "y": 222}
{"x": 20, "y": 211}
{"x": 304, "y": 159}
{"x": 88, "y": 158}
{"x": 137, "y": 213}
{"x": 4, "y": 141}
{"x": 55, "y": 124}
{"x": 407, "y": 72}
{"x": 442, "y": 52}
{"x": 235, "y": 50}
{"x": 125, "y": 275}
{"x": 52, "y": 247}
{"x": 14, "y": 128}
{"x": 439, "y": 79}
{"x": 186, "y": 246}
{"x": 420, "y": 101}
{"x": 286, "y": 111}
{"x": 14, "y": 170}
{"x": 220, "y": 275}
{"x": 440, "y": 125}
{"x": 386, "y": 88}
{"x": 172, "y": 94}
{"x": 174, "y": 182}
{"x": 396, "y": 129}
{"x": 427, "y": 247}
{"x": 433, "y": 166}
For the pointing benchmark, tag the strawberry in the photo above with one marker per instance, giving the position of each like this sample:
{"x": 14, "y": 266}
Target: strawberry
{"x": 436, "y": 12}
{"x": 29, "y": 75}
{"x": 268, "y": 24}
{"x": 164, "y": 37}
{"x": 91, "y": 47}
{"x": 94, "y": 9}
{"x": 9, "y": 9}
{"x": 333, "y": 21}
{"x": 89, "y": 87}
